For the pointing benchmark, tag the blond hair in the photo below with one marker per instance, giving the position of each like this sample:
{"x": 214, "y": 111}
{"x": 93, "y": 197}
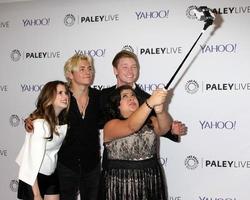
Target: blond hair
{"x": 73, "y": 62}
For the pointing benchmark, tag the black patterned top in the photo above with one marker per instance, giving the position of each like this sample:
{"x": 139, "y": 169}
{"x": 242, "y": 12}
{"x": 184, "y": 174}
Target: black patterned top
{"x": 139, "y": 146}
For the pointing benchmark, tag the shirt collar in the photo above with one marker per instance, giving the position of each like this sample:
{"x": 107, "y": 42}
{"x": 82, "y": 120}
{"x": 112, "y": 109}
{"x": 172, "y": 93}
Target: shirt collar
{"x": 133, "y": 86}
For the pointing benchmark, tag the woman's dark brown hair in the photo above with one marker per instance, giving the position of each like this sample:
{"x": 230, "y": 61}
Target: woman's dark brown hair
{"x": 44, "y": 106}
{"x": 112, "y": 107}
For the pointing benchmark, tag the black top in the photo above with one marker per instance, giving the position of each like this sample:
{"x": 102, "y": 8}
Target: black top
{"x": 82, "y": 143}
{"x": 143, "y": 96}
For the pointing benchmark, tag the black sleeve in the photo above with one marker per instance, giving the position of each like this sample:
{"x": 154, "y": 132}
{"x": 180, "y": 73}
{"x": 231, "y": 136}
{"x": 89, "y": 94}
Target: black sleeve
{"x": 105, "y": 93}
{"x": 169, "y": 135}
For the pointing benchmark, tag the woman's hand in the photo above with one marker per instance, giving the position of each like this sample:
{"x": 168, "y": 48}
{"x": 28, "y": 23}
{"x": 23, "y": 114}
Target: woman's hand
{"x": 157, "y": 98}
{"x": 28, "y": 125}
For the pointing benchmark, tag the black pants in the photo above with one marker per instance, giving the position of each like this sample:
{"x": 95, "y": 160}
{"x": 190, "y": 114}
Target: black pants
{"x": 71, "y": 183}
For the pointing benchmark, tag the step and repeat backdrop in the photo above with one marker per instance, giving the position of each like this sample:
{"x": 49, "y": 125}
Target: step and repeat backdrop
{"x": 211, "y": 91}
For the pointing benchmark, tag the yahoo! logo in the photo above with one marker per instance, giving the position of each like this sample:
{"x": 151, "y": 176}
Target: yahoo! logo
{"x": 216, "y": 198}
{"x": 92, "y": 52}
{"x": 219, "y": 125}
{"x": 152, "y": 14}
{"x": 152, "y": 86}
{"x": 31, "y": 88}
{"x": 219, "y": 48}
{"x": 36, "y": 22}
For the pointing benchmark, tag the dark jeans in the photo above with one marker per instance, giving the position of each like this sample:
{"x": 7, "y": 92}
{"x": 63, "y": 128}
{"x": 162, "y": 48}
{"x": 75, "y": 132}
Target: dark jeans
{"x": 71, "y": 183}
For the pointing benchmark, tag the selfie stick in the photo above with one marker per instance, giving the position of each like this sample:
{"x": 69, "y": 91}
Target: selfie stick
{"x": 202, "y": 14}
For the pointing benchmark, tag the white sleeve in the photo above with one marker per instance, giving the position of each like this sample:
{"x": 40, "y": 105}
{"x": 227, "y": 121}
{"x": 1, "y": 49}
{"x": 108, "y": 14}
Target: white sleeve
{"x": 32, "y": 153}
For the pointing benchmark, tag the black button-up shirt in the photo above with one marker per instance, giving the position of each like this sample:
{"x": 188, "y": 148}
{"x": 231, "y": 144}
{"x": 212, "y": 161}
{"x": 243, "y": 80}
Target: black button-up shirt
{"x": 81, "y": 146}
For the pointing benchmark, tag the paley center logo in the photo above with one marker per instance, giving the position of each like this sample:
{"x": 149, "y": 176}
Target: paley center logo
{"x": 192, "y": 162}
{"x": 163, "y": 161}
{"x": 154, "y": 50}
{"x": 128, "y": 48}
{"x": 14, "y": 120}
{"x": 225, "y": 86}
{"x": 221, "y": 11}
{"x": 13, "y": 185}
{"x": 71, "y": 19}
{"x": 166, "y": 50}
{"x": 192, "y": 87}
{"x": 190, "y": 12}
{"x": 232, "y": 10}
{"x": 16, "y": 55}
{"x": 153, "y": 14}
{"x": 207, "y": 163}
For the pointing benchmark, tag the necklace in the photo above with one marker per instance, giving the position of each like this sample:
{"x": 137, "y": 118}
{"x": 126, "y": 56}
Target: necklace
{"x": 84, "y": 106}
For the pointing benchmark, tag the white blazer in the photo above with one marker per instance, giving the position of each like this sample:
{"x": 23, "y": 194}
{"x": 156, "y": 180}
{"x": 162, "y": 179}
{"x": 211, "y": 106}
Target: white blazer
{"x": 38, "y": 154}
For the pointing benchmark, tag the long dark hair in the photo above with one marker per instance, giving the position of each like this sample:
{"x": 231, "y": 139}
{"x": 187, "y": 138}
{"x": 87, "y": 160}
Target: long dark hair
{"x": 44, "y": 108}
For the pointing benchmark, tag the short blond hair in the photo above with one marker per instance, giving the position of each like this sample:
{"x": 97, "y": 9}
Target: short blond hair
{"x": 125, "y": 54}
{"x": 73, "y": 62}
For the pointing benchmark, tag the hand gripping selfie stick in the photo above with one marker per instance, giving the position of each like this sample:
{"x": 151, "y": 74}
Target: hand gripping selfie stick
{"x": 201, "y": 13}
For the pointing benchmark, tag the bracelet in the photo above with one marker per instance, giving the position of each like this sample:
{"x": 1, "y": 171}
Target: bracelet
{"x": 149, "y": 105}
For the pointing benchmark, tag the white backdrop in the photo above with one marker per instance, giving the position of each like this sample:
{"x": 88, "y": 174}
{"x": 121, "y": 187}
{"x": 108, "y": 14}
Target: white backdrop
{"x": 211, "y": 92}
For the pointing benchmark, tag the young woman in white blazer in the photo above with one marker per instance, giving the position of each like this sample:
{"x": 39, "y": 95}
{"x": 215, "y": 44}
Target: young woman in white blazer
{"x": 38, "y": 156}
